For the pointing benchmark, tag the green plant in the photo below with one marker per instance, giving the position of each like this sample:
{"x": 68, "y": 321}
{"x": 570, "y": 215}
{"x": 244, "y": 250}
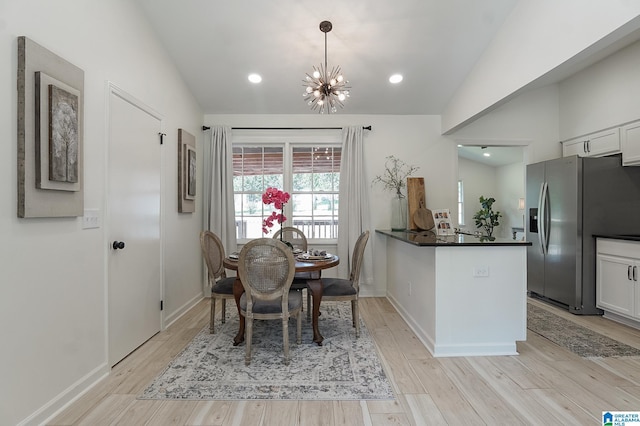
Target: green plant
{"x": 486, "y": 218}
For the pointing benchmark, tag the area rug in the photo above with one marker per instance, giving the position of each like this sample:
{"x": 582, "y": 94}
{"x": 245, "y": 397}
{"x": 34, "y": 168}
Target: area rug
{"x": 211, "y": 368}
{"x": 574, "y": 337}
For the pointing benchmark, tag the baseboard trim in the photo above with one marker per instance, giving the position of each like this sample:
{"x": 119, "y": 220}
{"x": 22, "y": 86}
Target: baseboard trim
{"x": 67, "y": 397}
{"x": 178, "y": 313}
{"x": 413, "y": 325}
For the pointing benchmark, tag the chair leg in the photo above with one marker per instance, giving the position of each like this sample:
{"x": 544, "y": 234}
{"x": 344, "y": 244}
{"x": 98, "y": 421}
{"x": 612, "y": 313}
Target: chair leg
{"x": 213, "y": 314}
{"x": 299, "y": 334}
{"x": 248, "y": 335}
{"x": 224, "y": 309}
{"x": 356, "y": 316}
{"x": 309, "y": 306}
{"x": 285, "y": 338}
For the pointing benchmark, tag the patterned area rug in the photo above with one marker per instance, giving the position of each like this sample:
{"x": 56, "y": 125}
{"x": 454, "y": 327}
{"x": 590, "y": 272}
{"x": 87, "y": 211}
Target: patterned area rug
{"x": 211, "y": 368}
{"x": 578, "y": 339}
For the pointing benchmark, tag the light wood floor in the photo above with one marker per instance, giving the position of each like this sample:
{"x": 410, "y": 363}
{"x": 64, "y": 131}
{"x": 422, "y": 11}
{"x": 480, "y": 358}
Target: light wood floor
{"x": 544, "y": 385}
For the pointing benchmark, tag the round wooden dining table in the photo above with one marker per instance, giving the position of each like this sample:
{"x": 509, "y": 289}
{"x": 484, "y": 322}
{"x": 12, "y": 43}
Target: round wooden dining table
{"x": 313, "y": 285}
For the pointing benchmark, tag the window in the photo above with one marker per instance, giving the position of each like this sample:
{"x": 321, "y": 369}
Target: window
{"x": 310, "y": 172}
{"x": 460, "y": 203}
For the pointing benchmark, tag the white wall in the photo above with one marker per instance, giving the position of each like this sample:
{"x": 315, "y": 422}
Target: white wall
{"x": 537, "y": 37}
{"x": 529, "y": 120}
{"x": 511, "y": 184}
{"x": 53, "y": 306}
{"x": 414, "y": 139}
{"x": 478, "y": 180}
{"x": 602, "y": 96}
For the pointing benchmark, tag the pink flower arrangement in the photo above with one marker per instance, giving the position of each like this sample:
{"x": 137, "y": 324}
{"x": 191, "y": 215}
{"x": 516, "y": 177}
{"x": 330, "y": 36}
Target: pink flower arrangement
{"x": 278, "y": 199}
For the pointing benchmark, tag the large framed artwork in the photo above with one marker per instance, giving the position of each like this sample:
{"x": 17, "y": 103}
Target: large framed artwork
{"x": 50, "y": 133}
{"x": 186, "y": 172}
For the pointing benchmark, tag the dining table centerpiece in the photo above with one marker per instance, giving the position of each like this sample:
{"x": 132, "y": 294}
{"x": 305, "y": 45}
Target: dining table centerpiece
{"x": 278, "y": 198}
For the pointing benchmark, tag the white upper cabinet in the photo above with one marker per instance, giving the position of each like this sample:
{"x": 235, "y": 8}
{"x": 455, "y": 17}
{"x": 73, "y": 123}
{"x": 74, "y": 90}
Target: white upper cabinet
{"x": 630, "y": 139}
{"x": 598, "y": 144}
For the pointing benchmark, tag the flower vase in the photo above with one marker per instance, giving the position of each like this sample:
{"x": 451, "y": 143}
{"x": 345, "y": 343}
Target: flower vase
{"x": 399, "y": 213}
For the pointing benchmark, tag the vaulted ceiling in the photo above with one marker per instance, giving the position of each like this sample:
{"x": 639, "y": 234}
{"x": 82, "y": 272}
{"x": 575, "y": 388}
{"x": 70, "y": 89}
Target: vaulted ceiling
{"x": 432, "y": 43}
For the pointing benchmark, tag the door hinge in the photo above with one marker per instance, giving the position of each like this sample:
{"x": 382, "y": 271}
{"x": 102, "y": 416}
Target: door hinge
{"x": 162, "y": 135}
{"x": 162, "y": 305}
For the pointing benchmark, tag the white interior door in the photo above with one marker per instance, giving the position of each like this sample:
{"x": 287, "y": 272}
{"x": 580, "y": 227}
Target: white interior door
{"x": 133, "y": 214}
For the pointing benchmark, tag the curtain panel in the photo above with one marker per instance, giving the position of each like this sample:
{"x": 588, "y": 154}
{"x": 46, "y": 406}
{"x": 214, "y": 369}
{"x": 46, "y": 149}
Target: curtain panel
{"x": 353, "y": 212}
{"x": 219, "y": 212}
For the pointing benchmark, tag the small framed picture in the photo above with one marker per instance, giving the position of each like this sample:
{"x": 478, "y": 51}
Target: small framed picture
{"x": 186, "y": 172}
{"x": 442, "y": 221}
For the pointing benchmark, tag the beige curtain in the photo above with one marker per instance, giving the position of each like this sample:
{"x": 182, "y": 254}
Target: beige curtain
{"x": 219, "y": 212}
{"x": 353, "y": 212}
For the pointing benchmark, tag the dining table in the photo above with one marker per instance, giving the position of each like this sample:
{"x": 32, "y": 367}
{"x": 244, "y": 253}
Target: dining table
{"x": 313, "y": 285}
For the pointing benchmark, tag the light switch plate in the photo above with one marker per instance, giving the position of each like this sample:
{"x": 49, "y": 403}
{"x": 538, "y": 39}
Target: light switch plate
{"x": 91, "y": 219}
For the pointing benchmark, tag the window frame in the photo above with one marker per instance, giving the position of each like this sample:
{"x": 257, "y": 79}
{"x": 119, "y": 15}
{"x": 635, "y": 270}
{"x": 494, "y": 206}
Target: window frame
{"x": 288, "y": 139}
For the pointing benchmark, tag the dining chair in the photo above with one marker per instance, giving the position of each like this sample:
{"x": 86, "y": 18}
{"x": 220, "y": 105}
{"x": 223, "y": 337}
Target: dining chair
{"x": 266, "y": 268}
{"x": 298, "y": 240}
{"x": 221, "y": 285}
{"x": 292, "y": 235}
{"x": 340, "y": 289}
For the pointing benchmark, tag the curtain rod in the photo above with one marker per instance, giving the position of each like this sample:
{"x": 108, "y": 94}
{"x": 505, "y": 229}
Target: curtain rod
{"x": 286, "y": 128}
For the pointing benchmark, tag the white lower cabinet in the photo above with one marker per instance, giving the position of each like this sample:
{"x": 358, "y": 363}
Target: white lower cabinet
{"x": 617, "y": 275}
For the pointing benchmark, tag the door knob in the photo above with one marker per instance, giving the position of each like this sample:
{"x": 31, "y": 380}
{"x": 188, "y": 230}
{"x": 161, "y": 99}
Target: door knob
{"x": 118, "y": 245}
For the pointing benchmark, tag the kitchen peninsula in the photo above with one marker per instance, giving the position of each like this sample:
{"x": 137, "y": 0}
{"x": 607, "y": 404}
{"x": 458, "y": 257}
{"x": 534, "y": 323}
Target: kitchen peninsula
{"x": 462, "y": 295}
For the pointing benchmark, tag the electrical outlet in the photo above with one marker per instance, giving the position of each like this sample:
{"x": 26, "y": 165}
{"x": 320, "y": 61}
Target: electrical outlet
{"x": 480, "y": 271}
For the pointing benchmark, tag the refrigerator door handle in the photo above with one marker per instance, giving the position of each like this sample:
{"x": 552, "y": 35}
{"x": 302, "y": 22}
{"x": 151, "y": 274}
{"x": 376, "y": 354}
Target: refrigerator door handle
{"x": 546, "y": 217}
{"x": 541, "y": 218}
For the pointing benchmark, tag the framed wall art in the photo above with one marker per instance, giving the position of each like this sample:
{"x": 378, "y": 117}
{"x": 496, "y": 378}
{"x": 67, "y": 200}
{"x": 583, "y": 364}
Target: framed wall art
{"x": 186, "y": 172}
{"x": 50, "y": 133}
{"x": 442, "y": 221}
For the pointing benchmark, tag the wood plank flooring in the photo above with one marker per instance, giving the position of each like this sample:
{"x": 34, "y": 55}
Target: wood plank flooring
{"x": 544, "y": 385}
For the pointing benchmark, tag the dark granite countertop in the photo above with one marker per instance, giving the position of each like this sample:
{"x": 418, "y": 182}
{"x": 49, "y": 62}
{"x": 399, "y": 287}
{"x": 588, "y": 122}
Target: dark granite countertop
{"x": 634, "y": 237}
{"x": 428, "y": 238}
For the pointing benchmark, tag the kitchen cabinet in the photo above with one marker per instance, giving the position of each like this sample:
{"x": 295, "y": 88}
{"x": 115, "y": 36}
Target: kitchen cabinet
{"x": 617, "y": 274}
{"x": 630, "y": 141}
{"x": 598, "y": 144}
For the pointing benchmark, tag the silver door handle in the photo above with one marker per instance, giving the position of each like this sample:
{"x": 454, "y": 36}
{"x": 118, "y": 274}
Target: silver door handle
{"x": 635, "y": 273}
{"x": 629, "y": 273}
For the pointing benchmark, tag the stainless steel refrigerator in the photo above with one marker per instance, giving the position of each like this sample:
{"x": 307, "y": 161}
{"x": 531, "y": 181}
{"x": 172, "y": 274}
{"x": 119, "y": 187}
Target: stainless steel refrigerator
{"x": 568, "y": 201}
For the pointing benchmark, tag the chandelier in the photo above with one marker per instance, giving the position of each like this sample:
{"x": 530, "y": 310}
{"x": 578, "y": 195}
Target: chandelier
{"x": 325, "y": 90}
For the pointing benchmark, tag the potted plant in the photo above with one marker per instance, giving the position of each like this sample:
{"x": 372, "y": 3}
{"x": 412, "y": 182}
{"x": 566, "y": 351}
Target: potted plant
{"x": 393, "y": 179}
{"x": 486, "y": 218}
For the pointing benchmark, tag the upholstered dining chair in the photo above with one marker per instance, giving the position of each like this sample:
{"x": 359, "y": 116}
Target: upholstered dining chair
{"x": 298, "y": 240}
{"x": 266, "y": 268}
{"x": 340, "y": 289}
{"x": 221, "y": 285}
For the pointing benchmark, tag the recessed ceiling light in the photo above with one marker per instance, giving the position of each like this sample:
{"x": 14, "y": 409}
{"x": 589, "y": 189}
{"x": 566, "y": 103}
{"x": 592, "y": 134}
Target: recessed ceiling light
{"x": 255, "y": 78}
{"x": 486, "y": 154}
{"x": 396, "y": 78}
